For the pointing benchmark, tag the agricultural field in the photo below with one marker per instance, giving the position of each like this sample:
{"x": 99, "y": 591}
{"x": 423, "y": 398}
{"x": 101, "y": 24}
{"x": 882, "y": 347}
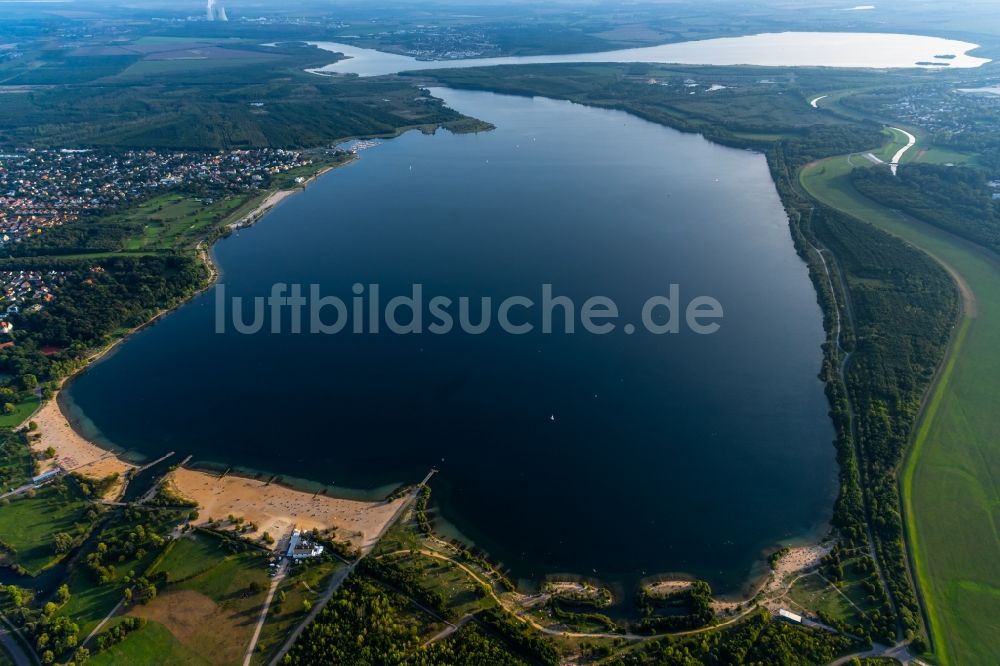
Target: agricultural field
{"x": 949, "y": 486}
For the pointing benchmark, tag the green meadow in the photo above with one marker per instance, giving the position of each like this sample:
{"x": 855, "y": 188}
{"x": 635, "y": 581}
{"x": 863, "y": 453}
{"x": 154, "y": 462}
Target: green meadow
{"x": 29, "y": 524}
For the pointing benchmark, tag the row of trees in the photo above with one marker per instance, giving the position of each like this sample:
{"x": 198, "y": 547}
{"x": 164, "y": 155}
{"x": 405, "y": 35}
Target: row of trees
{"x": 901, "y": 310}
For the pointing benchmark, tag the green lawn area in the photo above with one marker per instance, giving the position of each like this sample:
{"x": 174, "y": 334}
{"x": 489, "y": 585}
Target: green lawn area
{"x": 195, "y": 554}
{"x": 209, "y": 611}
{"x": 30, "y": 524}
{"x": 460, "y": 592}
{"x": 22, "y": 410}
{"x": 89, "y": 602}
{"x": 812, "y": 593}
{"x": 173, "y": 220}
{"x": 950, "y": 492}
{"x": 229, "y": 577}
{"x": 205, "y": 617}
{"x": 153, "y": 645}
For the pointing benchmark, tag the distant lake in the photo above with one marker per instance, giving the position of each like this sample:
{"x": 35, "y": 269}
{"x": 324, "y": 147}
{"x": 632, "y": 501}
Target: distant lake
{"x": 616, "y": 456}
{"x": 785, "y": 49}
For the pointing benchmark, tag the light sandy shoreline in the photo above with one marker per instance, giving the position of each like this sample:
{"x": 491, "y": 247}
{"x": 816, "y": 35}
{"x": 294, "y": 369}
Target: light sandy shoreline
{"x": 269, "y": 202}
{"x": 277, "y": 509}
{"x": 273, "y": 508}
{"x": 74, "y": 453}
{"x": 788, "y": 568}
{"x": 276, "y": 197}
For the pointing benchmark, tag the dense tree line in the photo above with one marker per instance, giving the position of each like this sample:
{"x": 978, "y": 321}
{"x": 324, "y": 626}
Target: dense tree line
{"x": 209, "y": 108}
{"x": 140, "y": 534}
{"x": 469, "y": 646}
{"x": 366, "y": 625}
{"x": 759, "y": 640}
{"x": 119, "y": 632}
{"x": 956, "y": 199}
{"x": 52, "y": 633}
{"x": 16, "y": 462}
{"x": 98, "y": 300}
{"x": 83, "y": 236}
{"x": 690, "y": 608}
{"x": 904, "y": 307}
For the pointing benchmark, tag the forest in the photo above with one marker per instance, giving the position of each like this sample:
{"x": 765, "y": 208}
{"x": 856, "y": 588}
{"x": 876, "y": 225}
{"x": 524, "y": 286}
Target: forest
{"x": 368, "y": 625}
{"x": 256, "y": 102}
{"x": 956, "y": 199}
{"x": 98, "y": 300}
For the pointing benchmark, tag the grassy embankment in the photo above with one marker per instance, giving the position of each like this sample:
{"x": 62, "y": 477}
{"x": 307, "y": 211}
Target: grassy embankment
{"x": 949, "y": 487}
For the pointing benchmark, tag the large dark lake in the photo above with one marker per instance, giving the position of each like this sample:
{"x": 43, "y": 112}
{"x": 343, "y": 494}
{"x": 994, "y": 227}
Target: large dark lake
{"x": 610, "y": 455}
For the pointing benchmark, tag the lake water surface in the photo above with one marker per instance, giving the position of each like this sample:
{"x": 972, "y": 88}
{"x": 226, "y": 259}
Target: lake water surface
{"x": 785, "y": 49}
{"x": 617, "y": 455}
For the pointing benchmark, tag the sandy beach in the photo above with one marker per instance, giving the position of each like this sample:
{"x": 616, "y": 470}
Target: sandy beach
{"x": 273, "y": 508}
{"x": 269, "y": 202}
{"x": 664, "y": 588}
{"x": 277, "y": 510}
{"x": 788, "y": 568}
{"x": 73, "y": 452}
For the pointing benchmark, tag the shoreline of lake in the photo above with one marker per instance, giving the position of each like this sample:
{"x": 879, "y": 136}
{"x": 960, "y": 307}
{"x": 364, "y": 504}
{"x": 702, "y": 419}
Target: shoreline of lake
{"x": 776, "y": 49}
{"x": 756, "y": 573}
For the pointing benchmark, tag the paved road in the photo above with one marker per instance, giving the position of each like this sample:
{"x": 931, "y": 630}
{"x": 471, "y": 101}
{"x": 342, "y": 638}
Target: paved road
{"x": 339, "y": 577}
{"x": 450, "y": 629}
{"x": 899, "y": 651}
{"x": 17, "y": 491}
{"x": 282, "y": 571}
{"x": 13, "y": 647}
{"x": 107, "y": 618}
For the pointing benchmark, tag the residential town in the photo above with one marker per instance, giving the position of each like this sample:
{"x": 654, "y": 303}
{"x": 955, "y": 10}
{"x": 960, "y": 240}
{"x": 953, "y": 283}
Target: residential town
{"x": 26, "y": 292}
{"x": 40, "y": 189}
